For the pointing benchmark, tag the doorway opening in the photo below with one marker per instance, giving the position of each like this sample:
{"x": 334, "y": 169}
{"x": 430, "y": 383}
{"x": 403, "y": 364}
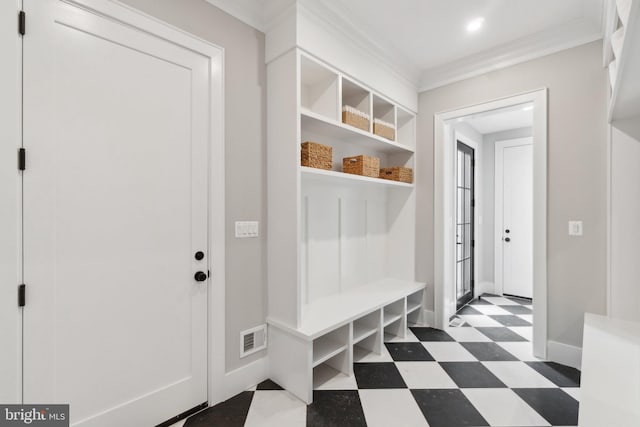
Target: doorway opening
{"x": 504, "y": 220}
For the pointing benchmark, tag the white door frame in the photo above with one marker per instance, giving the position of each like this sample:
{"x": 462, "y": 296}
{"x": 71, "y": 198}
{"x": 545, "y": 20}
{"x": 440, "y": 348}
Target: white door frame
{"x": 216, "y": 204}
{"x": 499, "y": 201}
{"x": 11, "y": 209}
{"x": 444, "y": 205}
{"x": 461, "y": 136}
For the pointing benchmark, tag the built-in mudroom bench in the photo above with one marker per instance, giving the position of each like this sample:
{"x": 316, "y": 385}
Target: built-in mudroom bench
{"x": 341, "y": 254}
{"x": 336, "y": 327}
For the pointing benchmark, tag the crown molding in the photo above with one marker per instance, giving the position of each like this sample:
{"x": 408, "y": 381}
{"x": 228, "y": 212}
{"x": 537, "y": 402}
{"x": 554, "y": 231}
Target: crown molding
{"x": 576, "y": 33}
{"x": 334, "y": 17}
{"x": 251, "y": 12}
{"x": 264, "y": 15}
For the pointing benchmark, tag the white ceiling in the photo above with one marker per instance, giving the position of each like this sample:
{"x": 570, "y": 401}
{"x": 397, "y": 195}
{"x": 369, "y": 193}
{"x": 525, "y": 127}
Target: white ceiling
{"x": 500, "y": 120}
{"x": 433, "y": 32}
{"x": 428, "y": 38}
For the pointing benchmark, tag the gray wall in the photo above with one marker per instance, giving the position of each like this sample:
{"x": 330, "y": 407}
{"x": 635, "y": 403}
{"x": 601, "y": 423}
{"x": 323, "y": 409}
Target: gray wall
{"x": 576, "y": 185}
{"x": 487, "y": 269}
{"x": 245, "y": 128}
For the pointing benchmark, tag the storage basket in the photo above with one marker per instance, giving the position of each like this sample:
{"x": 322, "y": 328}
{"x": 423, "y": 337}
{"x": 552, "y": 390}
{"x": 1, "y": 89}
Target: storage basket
{"x": 355, "y": 118}
{"x": 316, "y": 155}
{"x": 397, "y": 173}
{"x": 362, "y": 165}
{"x": 384, "y": 129}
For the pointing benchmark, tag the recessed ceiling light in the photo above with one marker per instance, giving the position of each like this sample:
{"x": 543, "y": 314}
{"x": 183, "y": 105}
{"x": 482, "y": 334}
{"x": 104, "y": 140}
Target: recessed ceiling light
{"x": 528, "y": 108}
{"x": 475, "y": 24}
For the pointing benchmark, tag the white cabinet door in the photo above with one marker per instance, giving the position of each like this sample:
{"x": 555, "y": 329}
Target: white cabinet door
{"x": 115, "y": 207}
{"x": 515, "y": 160}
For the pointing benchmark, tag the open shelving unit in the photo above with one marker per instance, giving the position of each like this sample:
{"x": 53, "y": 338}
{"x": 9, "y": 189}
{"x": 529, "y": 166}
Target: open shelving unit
{"x": 623, "y": 57}
{"x": 348, "y": 179}
{"x": 342, "y": 267}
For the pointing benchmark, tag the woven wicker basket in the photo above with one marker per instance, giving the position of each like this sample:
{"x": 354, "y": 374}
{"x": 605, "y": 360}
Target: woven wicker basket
{"x": 355, "y": 120}
{"x": 397, "y": 174}
{"x": 384, "y": 131}
{"x": 362, "y": 165}
{"x": 316, "y": 155}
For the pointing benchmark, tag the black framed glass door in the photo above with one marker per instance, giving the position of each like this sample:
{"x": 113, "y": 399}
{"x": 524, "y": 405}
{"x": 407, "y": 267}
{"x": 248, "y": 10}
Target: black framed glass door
{"x": 465, "y": 204}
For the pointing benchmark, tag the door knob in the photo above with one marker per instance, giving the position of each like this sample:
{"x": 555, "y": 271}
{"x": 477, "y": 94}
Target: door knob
{"x": 200, "y": 276}
{"x": 507, "y": 239}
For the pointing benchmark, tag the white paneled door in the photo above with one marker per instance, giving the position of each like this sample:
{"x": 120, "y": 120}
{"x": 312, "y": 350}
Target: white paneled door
{"x": 514, "y": 209}
{"x": 115, "y": 209}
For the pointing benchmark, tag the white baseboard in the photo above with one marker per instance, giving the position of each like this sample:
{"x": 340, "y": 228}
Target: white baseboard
{"x": 427, "y": 317}
{"x": 564, "y": 354}
{"x": 485, "y": 287}
{"x": 245, "y": 377}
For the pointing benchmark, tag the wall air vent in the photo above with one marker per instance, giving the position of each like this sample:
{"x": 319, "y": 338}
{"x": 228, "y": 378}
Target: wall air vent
{"x": 253, "y": 340}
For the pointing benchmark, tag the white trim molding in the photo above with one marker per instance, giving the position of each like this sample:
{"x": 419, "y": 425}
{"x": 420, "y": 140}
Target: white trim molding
{"x": 245, "y": 377}
{"x": 526, "y": 49}
{"x": 248, "y": 11}
{"x": 11, "y": 212}
{"x": 444, "y": 211}
{"x": 355, "y": 32}
{"x": 484, "y": 288}
{"x": 427, "y": 317}
{"x": 564, "y": 354}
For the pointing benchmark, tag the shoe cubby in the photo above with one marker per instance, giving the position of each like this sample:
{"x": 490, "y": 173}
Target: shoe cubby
{"x": 394, "y": 319}
{"x": 414, "y": 308}
{"x": 330, "y": 345}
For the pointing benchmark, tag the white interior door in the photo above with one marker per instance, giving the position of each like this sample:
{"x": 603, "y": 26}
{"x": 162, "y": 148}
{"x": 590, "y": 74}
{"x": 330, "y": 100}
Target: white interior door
{"x": 514, "y": 214}
{"x": 115, "y": 208}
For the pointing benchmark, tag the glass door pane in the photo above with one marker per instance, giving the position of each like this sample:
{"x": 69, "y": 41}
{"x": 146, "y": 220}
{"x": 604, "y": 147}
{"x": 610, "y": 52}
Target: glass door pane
{"x": 464, "y": 223}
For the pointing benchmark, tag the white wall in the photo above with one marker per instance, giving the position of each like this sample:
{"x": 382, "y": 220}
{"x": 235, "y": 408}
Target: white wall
{"x": 10, "y": 272}
{"x": 577, "y": 130}
{"x": 625, "y": 221}
{"x": 245, "y": 127}
{"x": 488, "y": 195}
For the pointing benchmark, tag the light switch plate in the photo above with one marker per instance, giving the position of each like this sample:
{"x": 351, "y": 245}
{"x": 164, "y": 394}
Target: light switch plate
{"x": 246, "y": 229}
{"x": 575, "y": 228}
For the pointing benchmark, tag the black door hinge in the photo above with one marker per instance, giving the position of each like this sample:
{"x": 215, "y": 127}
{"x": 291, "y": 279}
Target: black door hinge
{"x": 22, "y": 22}
{"x": 473, "y": 243}
{"x": 22, "y": 295}
{"x": 22, "y": 159}
{"x": 473, "y": 203}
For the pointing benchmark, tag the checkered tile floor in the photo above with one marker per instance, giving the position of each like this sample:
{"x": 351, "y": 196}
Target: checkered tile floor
{"x": 479, "y": 374}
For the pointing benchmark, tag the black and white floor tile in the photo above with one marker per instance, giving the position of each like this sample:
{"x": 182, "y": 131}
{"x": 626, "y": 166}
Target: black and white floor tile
{"x": 482, "y": 373}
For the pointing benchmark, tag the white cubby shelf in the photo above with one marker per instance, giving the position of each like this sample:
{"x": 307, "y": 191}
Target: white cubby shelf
{"x": 338, "y": 131}
{"x": 341, "y": 266}
{"x": 321, "y": 175}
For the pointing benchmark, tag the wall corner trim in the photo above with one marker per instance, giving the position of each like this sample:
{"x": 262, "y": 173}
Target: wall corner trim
{"x": 427, "y": 317}
{"x": 564, "y": 354}
{"x": 245, "y": 377}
